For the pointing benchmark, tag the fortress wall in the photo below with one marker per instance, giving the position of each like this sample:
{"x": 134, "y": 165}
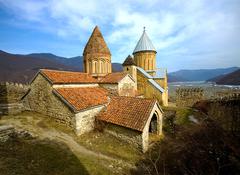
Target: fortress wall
{"x": 229, "y": 94}
{"x": 187, "y": 97}
{"x": 12, "y": 92}
{"x": 224, "y": 110}
{"x": 11, "y": 95}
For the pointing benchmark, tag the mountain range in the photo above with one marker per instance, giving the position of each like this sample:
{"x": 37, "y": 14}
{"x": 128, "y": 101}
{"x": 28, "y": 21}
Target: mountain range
{"x": 232, "y": 78}
{"x": 21, "y": 68}
{"x": 199, "y": 74}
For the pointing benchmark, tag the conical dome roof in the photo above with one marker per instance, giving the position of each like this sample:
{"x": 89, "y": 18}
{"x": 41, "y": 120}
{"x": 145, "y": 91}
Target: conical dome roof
{"x": 129, "y": 61}
{"x": 96, "y": 43}
{"x": 144, "y": 44}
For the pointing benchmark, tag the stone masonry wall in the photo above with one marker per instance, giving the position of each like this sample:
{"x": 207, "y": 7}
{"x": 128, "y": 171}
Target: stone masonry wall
{"x": 128, "y": 135}
{"x": 85, "y": 120}
{"x": 11, "y": 95}
{"x": 112, "y": 88}
{"x": 126, "y": 87}
{"x": 145, "y": 88}
{"x": 225, "y": 111}
{"x": 187, "y": 97}
{"x": 5, "y": 132}
{"x": 42, "y": 100}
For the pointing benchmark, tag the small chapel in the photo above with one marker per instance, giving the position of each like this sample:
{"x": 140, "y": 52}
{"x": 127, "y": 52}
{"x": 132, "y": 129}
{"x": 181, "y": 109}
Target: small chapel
{"x": 126, "y": 104}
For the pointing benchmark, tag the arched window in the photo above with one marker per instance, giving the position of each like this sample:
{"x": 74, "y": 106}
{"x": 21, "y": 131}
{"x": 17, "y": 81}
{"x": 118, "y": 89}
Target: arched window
{"x": 101, "y": 68}
{"x": 90, "y": 67}
{"x": 149, "y": 65}
{"x": 96, "y": 67}
{"x": 146, "y": 64}
{"x": 107, "y": 67}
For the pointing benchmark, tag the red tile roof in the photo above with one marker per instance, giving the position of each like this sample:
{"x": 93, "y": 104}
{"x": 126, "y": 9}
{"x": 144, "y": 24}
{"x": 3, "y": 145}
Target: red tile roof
{"x": 83, "y": 98}
{"x": 67, "y": 77}
{"x": 113, "y": 78}
{"x": 129, "y": 112}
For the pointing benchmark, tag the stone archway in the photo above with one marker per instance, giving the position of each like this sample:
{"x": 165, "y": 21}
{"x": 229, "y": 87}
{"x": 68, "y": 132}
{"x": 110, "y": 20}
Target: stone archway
{"x": 153, "y": 127}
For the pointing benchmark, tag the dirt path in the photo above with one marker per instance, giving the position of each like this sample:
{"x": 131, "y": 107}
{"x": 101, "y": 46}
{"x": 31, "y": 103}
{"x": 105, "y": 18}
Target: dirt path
{"x": 33, "y": 124}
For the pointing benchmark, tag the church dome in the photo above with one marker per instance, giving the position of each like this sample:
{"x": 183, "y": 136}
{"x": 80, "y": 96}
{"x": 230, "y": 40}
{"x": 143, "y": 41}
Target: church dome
{"x": 96, "y": 44}
{"x": 144, "y": 44}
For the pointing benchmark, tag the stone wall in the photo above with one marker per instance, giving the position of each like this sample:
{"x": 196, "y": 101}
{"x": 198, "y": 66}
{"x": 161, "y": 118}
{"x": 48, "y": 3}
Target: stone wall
{"x": 128, "y": 135}
{"x": 11, "y": 95}
{"x": 42, "y": 100}
{"x": 85, "y": 120}
{"x": 228, "y": 94}
{"x": 225, "y": 111}
{"x": 187, "y": 97}
{"x": 146, "y": 60}
{"x": 112, "y": 88}
{"x": 149, "y": 91}
{"x": 5, "y": 132}
{"x": 127, "y": 87}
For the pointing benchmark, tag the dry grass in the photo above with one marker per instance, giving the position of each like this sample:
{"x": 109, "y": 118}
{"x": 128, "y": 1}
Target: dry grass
{"x": 110, "y": 145}
{"x": 33, "y": 157}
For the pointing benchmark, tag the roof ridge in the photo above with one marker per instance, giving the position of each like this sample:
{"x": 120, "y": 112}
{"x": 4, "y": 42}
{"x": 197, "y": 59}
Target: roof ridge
{"x": 150, "y": 99}
{"x": 63, "y": 71}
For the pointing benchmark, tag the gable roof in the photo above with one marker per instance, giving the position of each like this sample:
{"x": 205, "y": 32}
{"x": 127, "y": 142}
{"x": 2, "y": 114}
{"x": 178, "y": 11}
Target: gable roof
{"x": 67, "y": 77}
{"x": 96, "y": 43}
{"x": 144, "y": 72}
{"x": 150, "y": 79}
{"x": 129, "y": 61}
{"x": 144, "y": 44}
{"x": 128, "y": 112}
{"x": 82, "y": 98}
{"x": 113, "y": 78}
{"x": 156, "y": 85}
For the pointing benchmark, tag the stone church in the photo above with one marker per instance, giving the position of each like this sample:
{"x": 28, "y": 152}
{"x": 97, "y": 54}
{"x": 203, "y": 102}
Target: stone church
{"x": 125, "y": 104}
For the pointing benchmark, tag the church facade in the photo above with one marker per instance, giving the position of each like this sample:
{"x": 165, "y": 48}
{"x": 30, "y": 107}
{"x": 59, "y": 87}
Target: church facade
{"x": 128, "y": 100}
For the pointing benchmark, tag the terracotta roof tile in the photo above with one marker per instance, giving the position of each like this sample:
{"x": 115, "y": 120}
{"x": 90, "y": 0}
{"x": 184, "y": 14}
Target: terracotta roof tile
{"x": 113, "y": 77}
{"x": 129, "y": 112}
{"x": 82, "y": 98}
{"x": 67, "y": 77}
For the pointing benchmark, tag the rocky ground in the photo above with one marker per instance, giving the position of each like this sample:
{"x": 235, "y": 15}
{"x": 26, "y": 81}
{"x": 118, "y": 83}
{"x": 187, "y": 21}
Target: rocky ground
{"x": 107, "y": 156}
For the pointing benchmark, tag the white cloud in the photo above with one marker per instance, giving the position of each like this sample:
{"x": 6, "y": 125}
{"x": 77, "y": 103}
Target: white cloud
{"x": 175, "y": 27}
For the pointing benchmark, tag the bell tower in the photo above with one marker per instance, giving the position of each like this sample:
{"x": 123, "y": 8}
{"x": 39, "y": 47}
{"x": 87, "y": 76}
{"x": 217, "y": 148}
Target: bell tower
{"x": 96, "y": 55}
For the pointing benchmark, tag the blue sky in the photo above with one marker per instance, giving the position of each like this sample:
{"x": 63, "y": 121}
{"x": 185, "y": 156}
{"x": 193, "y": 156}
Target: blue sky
{"x": 187, "y": 34}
